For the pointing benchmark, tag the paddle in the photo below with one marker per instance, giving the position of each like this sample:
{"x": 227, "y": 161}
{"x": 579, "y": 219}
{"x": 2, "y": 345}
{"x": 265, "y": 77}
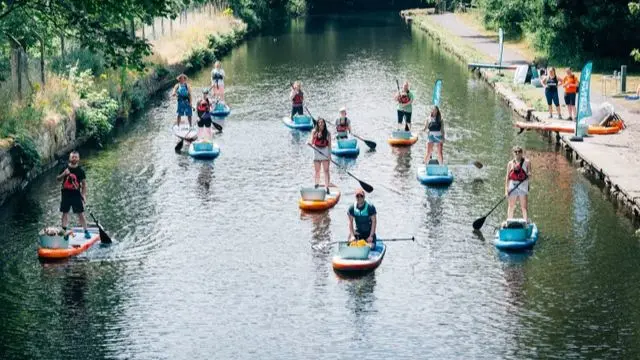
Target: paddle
{"x": 104, "y": 237}
{"x": 479, "y": 222}
{"x": 366, "y": 187}
{"x": 413, "y": 238}
{"x": 371, "y": 144}
{"x": 180, "y": 143}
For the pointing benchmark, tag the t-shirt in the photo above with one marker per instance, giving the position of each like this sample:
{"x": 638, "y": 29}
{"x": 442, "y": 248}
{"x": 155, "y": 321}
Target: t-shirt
{"x": 407, "y": 107}
{"x": 363, "y": 222}
{"x": 74, "y": 179}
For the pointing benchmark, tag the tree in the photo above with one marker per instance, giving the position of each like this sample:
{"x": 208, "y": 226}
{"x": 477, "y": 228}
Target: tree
{"x": 634, "y": 7}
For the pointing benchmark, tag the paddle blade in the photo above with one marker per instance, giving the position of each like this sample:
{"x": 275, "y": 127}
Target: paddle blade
{"x": 478, "y": 164}
{"x": 479, "y": 222}
{"x": 372, "y": 145}
{"x": 366, "y": 187}
{"x": 217, "y": 126}
{"x": 521, "y": 131}
{"x": 104, "y": 237}
{"x": 179, "y": 145}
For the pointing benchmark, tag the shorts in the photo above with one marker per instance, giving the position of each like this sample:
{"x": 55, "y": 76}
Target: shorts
{"x": 184, "y": 108}
{"x": 404, "y": 115}
{"x": 435, "y": 137}
{"x": 522, "y": 190}
{"x": 552, "y": 96}
{"x": 297, "y": 110}
{"x": 205, "y": 121}
{"x": 570, "y": 99}
{"x": 70, "y": 201}
{"x": 322, "y": 154}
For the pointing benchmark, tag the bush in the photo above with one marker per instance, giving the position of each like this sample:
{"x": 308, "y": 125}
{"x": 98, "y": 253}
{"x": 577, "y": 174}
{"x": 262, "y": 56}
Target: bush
{"x": 82, "y": 59}
{"x": 96, "y": 120}
{"x": 198, "y": 58}
{"x": 24, "y": 154}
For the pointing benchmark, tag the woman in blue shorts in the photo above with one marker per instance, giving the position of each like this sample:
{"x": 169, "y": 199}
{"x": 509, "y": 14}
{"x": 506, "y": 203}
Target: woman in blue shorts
{"x": 435, "y": 125}
{"x": 183, "y": 91}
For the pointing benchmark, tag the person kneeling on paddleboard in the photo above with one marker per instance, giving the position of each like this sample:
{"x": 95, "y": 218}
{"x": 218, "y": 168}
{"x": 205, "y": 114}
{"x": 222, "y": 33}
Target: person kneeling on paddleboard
{"x": 74, "y": 192}
{"x": 343, "y": 125}
{"x": 435, "y": 125}
{"x": 518, "y": 174}
{"x": 363, "y": 213}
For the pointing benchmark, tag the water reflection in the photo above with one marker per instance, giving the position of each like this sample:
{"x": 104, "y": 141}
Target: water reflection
{"x": 360, "y": 302}
{"x": 205, "y": 177}
{"x": 403, "y": 160}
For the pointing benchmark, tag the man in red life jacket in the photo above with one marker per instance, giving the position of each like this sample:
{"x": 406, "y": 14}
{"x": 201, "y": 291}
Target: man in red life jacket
{"x": 518, "y": 174}
{"x": 74, "y": 192}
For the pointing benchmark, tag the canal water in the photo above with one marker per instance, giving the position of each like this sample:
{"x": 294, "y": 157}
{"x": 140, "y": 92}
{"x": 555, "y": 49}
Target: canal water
{"x": 215, "y": 260}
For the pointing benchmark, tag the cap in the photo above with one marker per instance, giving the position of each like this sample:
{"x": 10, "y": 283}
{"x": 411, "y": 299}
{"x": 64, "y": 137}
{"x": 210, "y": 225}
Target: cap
{"x": 359, "y": 191}
{"x": 343, "y": 109}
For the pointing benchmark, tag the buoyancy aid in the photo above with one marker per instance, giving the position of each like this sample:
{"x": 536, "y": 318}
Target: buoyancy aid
{"x": 361, "y": 212}
{"x": 342, "y": 125}
{"x": 435, "y": 124}
{"x": 320, "y": 141}
{"x": 517, "y": 172}
{"x": 71, "y": 182}
{"x": 183, "y": 92}
{"x": 298, "y": 99}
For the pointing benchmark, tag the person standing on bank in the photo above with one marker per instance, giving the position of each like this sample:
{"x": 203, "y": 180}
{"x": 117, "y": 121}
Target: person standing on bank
{"x": 363, "y": 214}
{"x": 183, "y": 91}
{"x": 435, "y": 125}
{"x": 570, "y": 85}
{"x": 518, "y": 174}
{"x": 550, "y": 83}
{"x": 74, "y": 192}
{"x": 405, "y": 100}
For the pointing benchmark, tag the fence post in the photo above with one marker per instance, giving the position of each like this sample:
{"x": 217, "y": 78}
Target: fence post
{"x": 623, "y": 79}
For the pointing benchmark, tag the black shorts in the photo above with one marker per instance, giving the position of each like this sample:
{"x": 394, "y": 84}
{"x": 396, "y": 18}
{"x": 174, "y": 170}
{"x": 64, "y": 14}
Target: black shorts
{"x": 404, "y": 115}
{"x": 297, "y": 110}
{"x": 71, "y": 201}
{"x": 570, "y": 99}
{"x": 204, "y": 121}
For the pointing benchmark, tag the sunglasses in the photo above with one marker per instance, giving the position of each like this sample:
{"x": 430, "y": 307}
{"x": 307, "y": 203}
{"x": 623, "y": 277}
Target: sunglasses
{"x": 359, "y": 196}
{"x": 518, "y": 152}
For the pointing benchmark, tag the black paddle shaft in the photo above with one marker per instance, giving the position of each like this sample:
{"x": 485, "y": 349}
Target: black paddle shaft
{"x": 479, "y": 222}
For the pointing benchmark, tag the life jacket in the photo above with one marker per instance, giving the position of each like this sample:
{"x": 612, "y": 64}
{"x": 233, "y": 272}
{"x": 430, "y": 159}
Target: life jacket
{"x": 298, "y": 99}
{"x": 183, "y": 92}
{"x": 71, "y": 182}
{"x": 342, "y": 125}
{"x": 203, "y": 105}
{"x": 435, "y": 124}
{"x": 552, "y": 82}
{"x": 404, "y": 99}
{"x": 361, "y": 212}
{"x": 217, "y": 75}
{"x": 320, "y": 142}
{"x": 570, "y": 84}
{"x": 517, "y": 172}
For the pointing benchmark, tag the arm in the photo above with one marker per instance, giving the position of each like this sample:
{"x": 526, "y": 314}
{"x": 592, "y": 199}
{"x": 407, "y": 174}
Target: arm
{"x": 62, "y": 174}
{"x": 292, "y": 94}
{"x": 175, "y": 88}
{"x": 528, "y": 168}
{"x": 410, "y": 99}
{"x": 374, "y": 222}
{"x": 329, "y": 145}
{"x": 84, "y": 190}
{"x": 310, "y": 141}
{"x": 351, "y": 233}
{"x": 442, "y": 129}
{"x": 506, "y": 180}
{"x": 189, "y": 89}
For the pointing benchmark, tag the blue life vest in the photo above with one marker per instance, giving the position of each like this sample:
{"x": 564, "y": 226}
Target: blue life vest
{"x": 183, "y": 92}
{"x": 359, "y": 212}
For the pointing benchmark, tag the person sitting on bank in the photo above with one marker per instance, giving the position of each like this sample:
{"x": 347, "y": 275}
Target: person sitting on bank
{"x": 343, "y": 125}
{"x": 405, "y": 100}
{"x": 518, "y": 174}
{"x": 363, "y": 214}
{"x": 74, "y": 192}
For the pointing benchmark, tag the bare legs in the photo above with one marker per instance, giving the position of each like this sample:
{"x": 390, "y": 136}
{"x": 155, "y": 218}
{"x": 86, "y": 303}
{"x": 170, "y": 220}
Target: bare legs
{"x": 324, "y": 164}
{"x": 427, "y": 157}
{"x": 523, "y": 206}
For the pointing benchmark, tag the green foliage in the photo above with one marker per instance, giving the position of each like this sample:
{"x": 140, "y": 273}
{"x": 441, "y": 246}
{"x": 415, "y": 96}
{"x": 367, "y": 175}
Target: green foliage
{"x": 569, "y": 32}
{"x": 24, "y": 154}
{"x": 81, "y": 58}
{"x": 97, "y": 119}
{"x": 634, "y": 8}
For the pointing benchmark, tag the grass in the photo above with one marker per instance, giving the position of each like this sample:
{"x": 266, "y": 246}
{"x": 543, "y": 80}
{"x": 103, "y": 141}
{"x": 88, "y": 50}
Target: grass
{"x": 172, "y": 49}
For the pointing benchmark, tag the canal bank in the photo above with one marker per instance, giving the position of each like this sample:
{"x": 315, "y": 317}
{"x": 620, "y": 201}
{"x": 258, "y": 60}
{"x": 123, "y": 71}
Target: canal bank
{"x": 609, "y": 160}
{"x": 187, "y": 50}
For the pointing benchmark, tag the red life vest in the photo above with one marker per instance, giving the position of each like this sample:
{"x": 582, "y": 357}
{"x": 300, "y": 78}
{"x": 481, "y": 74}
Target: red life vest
{"x": 342, "y": 125}
{"x": 319, "y": 141}
{"x": 298, "y": 99}
{"x": 404, "y": 99}
{"x": 517, "y": 172}
{"x": 203, "y": 106}
{"x": 71, "y": 182}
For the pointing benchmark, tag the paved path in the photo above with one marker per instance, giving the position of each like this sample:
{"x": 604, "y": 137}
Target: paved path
{"x": 617, "y": 156}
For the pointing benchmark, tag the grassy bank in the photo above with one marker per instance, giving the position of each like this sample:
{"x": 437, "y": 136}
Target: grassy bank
{"x": 90, "y": 98}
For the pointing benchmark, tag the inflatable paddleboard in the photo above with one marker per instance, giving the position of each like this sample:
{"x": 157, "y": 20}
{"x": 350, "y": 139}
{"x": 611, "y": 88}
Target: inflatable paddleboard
{"x": 56, "y": 248}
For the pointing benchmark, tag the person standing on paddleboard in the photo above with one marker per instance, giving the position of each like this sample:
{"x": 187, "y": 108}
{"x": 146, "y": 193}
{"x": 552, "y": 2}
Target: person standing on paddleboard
{"x": 518, "y": 172}
{"x": 297, "y": 99}
{"x": 343, "y": 125}
{"x": 363, "y": 214}
{"x": 74, "y": 192}
{"x": 405, "y": 101}
{"x": 435, "y": 125}
{"x": 183, "y": 91}
{"x": 321, "y": 141}
{"x": 217, "y": 81}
